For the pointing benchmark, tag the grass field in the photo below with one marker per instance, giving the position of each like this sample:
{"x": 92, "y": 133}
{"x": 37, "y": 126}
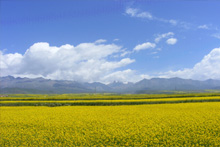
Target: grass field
{"x": 105, "y": 99}
{"x": 182, "y": 123}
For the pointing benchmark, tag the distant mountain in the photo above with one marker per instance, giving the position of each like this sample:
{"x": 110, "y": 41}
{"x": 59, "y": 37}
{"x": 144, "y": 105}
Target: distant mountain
{"x": 42, "y": 85}
{"x": 120, "y": 87}
{"x": 170, "y": 84}
{"x": 10, "y": 84}
{"x": 97, "y": 87}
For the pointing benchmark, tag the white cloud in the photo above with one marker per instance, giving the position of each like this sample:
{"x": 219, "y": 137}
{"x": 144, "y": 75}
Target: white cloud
{"x": 144, "y": 46}
{"x": 124, "y": 53}
{"x": 116, "y": 39}
{"x": 158, "y": 49}
{"x": 161, "y": 36}
{"x": 9, "y": 63}
{"x": 145, "y": 76}
{"x": 208, "y": 68}
{"x": 134, "y": 12}
{"x": 114, "y": 65}
{"x": 186, "y": 25}
{"x": 153, "y": 53}
{"x": 138, "y": 13}
{"x": 100, "y": 41}
{"x": 124, "y": 76}
{"x": 171, "y": 41}
{"x": 216, "y": 35}
{"x": 90, "y": 62}
{"x": 85, "y": 62}
{"x": 173, "y": 22}
{"x": 177, "y": 23}
{"x": 203, "y": 27}
{"x": 170, "y": 21}
{"x": 145, "y": 15}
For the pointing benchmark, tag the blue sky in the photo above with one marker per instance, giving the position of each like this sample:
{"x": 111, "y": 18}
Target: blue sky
{"x": 110, "y": 40}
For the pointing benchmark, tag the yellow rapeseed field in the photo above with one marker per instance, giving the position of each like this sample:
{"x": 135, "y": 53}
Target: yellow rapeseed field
{"x": 187, "y": 124}
{"x": 115, "y": 101}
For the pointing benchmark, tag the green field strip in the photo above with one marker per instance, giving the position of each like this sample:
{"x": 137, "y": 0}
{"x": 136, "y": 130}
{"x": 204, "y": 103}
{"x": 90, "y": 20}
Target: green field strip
{"x": 104, "y": 103}
{"x": 115, "y": 100}
{"x": 103, "y": 97}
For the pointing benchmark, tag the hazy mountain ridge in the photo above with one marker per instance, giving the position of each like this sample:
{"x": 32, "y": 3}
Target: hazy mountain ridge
{"x": 10, "y": 84}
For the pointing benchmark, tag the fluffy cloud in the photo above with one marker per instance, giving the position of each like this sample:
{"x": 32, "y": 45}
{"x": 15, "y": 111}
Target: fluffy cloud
{"x": 161, "y": 36}
{"x": 9, "y": 63}
{"x": 90, "y": 62}
{"x": 138, "y": 13}
{"x": 203, "y": 27}
{"x": 100, "y": 41}
{"x": 84, "y": 62}
{"x": 122, "y": 76}
{"x": 116, "y": 39}
{"x": 134, "y": 12}
{"x": 144, "y": 46}
{"x": 173, "y": 22}
{"x": 127, "y": 75}
{"x": 217, "y": 35}
{"x": 171, "y": 41}
{"x": 208, "y": 68}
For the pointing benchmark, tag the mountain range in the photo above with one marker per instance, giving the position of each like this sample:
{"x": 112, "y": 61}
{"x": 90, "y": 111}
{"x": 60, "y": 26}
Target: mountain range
{"x": 10, "y": 84}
